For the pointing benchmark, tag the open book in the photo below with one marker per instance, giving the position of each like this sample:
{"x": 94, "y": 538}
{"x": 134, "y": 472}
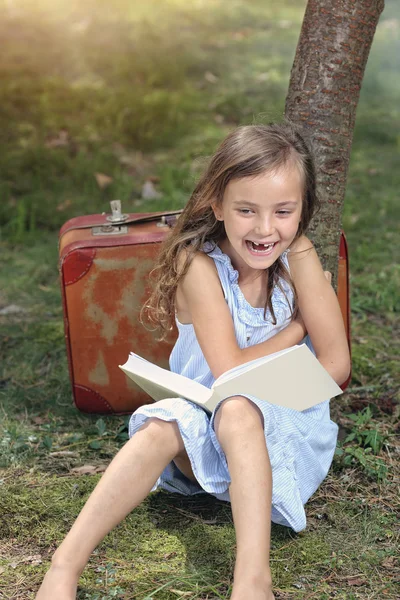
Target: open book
{"x": 293, "y": 378}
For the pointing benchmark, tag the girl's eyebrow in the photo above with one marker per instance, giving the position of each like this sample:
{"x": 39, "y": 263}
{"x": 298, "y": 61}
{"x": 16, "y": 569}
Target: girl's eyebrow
{"x": 287, "y": 203}
{"x": 255, "y": 205}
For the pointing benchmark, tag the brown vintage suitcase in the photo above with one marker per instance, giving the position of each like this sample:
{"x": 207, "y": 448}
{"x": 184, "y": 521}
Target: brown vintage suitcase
{"x": 104, "y": 266}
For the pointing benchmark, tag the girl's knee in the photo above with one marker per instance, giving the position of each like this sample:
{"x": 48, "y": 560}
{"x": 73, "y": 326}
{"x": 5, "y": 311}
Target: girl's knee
{"x": 163, "y": 432}
{"x": 238, "y": 413}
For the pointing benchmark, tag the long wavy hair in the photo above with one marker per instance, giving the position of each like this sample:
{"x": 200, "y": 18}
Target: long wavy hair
{"x": 247, "y": 151}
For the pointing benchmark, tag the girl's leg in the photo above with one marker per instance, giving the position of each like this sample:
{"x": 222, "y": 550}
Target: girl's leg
{"x": 125, "y": 483}
{"x": 240, "y": 431}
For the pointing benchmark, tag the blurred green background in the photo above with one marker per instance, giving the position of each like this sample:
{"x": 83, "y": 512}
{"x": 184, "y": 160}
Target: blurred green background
{"x": 96, "y": 99}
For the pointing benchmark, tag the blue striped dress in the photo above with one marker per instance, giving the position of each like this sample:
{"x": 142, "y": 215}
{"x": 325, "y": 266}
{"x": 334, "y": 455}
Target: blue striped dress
{"x": 300, "y": 444}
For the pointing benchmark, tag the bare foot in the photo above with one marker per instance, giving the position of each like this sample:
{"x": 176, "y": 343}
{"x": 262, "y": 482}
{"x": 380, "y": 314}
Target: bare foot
{"x": 58, "y": 583}
{"x": 256, "y": 590}
{"x": 254, "y": 594}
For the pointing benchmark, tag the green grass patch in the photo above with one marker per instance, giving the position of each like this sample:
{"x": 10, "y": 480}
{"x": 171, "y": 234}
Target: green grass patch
{"x": 142, "y": 91}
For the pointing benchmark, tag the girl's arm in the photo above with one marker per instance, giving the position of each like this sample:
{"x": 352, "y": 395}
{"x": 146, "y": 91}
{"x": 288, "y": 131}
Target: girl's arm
{"x": 320, "y": 310}
{"x": 201, "y": 297}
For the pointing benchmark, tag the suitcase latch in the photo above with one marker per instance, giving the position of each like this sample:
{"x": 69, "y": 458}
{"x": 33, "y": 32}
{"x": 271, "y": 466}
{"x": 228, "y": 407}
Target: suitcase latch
{"x": 110, "y": 230}
{"x": 116, "y": 214}
{"x": 113, "y": 227}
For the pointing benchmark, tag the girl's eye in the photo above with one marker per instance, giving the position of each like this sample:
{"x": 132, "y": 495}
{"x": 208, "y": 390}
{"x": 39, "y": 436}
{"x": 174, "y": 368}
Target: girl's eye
{"x": 245, "y": 211}
{"x": 283, "y": 212}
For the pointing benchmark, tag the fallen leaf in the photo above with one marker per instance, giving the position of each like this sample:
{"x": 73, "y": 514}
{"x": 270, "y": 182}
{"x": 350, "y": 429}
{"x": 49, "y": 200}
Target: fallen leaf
{"x": 101, "y": 468}
{"x": 181, "y": 594}
{"x": 239, "y": 35}
{"x": 355, "y": 580}
{"x": 389, "y": 562}
{"x": 103, "y": 180}
{"x": 210, "y": 77}
{"x": 63, "y": 205}
{"x": 36, "y": 559}
{"x": 64, "y": 453}
{"x": 59, "y": 141}
{"x": 149, "y": 192}
{"x": 12, "y": 309}
{"x": 89, "y": 469}
{"x": 154, "y": 179}
{"x": 84, "y": 470}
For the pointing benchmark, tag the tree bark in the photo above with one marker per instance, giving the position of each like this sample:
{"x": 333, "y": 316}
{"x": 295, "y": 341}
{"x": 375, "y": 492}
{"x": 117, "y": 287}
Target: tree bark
{"x": 324, "y": 88}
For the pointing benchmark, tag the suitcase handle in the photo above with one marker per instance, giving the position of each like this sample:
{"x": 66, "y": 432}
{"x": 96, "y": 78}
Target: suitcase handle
{"x": 166, "y": 218}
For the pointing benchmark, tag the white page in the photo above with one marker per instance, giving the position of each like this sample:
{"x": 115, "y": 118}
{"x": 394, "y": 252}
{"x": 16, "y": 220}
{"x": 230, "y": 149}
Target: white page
{"x": 138, "y": 367}
{"x": 235, "y": 371}
{"x": 295, "y": 380}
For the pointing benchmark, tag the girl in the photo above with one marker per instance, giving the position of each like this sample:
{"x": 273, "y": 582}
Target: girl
{"x": 242, "y": 281}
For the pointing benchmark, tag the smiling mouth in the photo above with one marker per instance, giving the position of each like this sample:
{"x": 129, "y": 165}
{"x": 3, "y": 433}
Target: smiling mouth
{"x": 260, "y": 248}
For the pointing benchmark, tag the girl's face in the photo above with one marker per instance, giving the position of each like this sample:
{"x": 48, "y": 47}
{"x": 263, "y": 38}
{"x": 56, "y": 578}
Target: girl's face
{"x": 261, "y": 216}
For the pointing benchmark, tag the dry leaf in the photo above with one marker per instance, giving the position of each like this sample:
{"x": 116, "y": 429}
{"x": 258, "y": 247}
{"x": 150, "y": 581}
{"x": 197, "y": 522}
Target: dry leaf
{"x": 101, "y": 468}
{"x": 181, "y": 594}
{"x": 103, "y": 180}
{"x": 61, "y": 140}
{"x": 12, "y": 309}
{"x": 88, "y": 469}
{"x": 355, "y": 581}
{"x": 210, "y": 77}
{"x": 84, "y": 470}
{"x": 149, "y": 192}
{"x": 65, "y": 453}
{"x": 389, "y": 562}
{"x": 36, "y": 559}
{"x": 63, "y": 205}
{"x": 154, "y": 179}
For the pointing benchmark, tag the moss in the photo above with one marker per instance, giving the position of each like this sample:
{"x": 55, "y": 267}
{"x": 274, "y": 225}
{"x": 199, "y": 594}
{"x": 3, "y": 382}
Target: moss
{"x": 173, "y": 543}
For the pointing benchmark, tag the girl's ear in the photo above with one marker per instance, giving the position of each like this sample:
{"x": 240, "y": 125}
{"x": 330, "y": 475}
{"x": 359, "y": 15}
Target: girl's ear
{"x": 217, "y": 211}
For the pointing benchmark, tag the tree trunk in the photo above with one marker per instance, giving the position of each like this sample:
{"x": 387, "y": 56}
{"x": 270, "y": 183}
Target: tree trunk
{"x": 324, "y": 88}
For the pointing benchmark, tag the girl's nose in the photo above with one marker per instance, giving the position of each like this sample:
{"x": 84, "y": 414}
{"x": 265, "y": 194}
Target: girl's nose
{"x": 265, "y": 227}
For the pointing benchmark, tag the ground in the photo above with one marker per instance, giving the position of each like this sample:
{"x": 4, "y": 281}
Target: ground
{"x": 137, "y": 94}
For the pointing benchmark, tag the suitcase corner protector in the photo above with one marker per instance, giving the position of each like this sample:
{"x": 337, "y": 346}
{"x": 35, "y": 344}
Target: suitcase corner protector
{"x": 90, "y": 401}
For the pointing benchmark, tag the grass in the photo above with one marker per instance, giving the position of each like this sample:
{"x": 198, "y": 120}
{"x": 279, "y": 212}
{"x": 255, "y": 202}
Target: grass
{"x": 140, "y": 92}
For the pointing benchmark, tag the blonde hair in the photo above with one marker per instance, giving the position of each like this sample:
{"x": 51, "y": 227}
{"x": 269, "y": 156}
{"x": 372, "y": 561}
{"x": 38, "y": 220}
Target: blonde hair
{"x": 247, "y": 151}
